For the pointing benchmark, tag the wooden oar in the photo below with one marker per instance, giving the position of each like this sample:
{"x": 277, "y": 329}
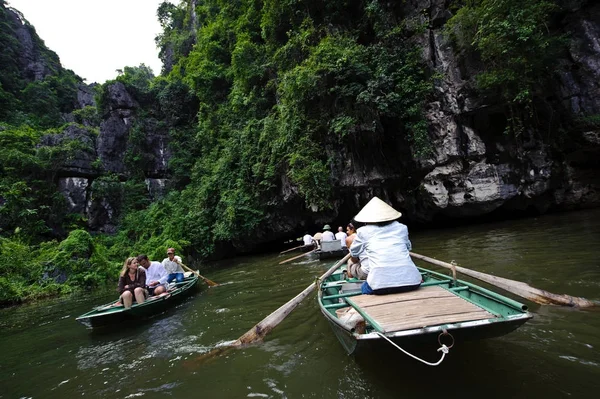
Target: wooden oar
{"x": 296, "y": 257}
{"x": 519, "y": 288}
{"x": 261, "y": 329}
{"x": 210, "y": 283}
{"x": 258, "y": 332}
{"x": 289, "y": 250}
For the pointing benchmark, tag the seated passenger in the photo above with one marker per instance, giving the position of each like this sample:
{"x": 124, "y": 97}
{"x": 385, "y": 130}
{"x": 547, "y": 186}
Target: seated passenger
{"x": 327, "y": 234}
{"x": 340, "y": 235}
{"x": 308, "y": 240}
{"x": 317, "y": 239}
{"x": 156, "y": 275}
{"x": 132, "y": 283}
{"x": 385, "y": 243}
{"x": 172, "y": 264}
{"x": 357, "y": 267}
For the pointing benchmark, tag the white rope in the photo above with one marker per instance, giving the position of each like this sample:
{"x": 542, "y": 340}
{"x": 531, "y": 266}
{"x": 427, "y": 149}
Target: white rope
{"x": 444, "y": 349}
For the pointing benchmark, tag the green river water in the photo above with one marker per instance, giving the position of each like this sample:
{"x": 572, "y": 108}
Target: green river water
{"x": 45, "y": 353}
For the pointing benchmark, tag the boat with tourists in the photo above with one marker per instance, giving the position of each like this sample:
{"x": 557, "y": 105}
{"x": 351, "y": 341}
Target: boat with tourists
{"x": 331, "y": 250}
{"x": 443, "y": 310}
{"x": 110, "y": 313}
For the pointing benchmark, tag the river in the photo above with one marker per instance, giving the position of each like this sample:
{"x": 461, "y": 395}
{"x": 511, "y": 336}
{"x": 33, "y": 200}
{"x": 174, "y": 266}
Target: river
{"x": 45, "y": 353}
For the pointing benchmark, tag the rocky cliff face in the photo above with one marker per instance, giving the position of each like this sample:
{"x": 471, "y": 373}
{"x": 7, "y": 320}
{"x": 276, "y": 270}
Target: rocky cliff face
{"x": 474, "y": 169}
{"x": 103, "y": 151}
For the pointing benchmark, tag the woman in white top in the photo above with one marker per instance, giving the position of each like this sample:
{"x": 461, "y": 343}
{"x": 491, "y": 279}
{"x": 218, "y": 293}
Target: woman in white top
{"x": 385, "y": 243}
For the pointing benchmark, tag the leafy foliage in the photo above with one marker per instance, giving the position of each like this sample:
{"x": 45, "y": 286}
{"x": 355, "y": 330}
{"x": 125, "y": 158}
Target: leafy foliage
{"x": 516, "y": 47}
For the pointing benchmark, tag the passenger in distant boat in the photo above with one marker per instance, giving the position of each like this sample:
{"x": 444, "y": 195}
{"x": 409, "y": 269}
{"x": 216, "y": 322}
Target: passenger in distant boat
{"x": 340, "y": 235}
{"x": 172, "y": 264}
{"x": 327, "y": 234}
{"x": 308, "y": 239}
{"x": 385, "y": 242}
{"x": 156, "y": 275}
{"x": 317, "y": 238}
{"x": 132, "y": 283}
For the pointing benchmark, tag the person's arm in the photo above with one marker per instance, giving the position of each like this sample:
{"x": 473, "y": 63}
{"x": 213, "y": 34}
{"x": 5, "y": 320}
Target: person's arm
{"x": 405, "y": 237}
{"x": 358, "y": 245}
{"x": 141, "y": 279}
{"x": 121, "y": 287}
{"x": 349, "y": 240}
{"x": 163, "y": 275}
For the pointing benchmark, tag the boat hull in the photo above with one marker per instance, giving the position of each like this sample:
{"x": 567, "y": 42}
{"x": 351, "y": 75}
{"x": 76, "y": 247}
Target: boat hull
{"x": 105, "y": 316}
{"x": 324, "y": 255}
{"x": 462, "y": 309}
{"x": 354, "y": 344}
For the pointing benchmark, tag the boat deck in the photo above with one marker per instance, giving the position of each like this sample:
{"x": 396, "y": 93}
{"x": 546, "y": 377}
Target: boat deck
{"x": 427, "y": 306}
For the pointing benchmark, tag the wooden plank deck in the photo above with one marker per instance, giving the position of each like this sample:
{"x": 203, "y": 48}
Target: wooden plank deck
{"x": 425, "y": 307}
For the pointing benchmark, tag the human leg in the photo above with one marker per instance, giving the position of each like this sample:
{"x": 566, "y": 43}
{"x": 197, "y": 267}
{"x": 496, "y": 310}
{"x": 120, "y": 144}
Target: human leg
{"x": 140, "y": 295}
{"x": 171, "y": 277}
{"x": 127, "y": 299}
{"x": 159, "y": 289}
{"x": 354, "y": 270}
{"x": 179, "y": 277}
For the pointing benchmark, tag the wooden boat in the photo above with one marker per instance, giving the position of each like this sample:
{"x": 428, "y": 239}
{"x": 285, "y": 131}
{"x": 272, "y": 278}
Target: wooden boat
{"x": 442, "y": 310}
{"x": 331, "y": 250}
{"x": 109, "y": 314}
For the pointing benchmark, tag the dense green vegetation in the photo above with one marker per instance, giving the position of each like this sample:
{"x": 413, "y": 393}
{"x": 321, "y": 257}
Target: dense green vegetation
{"x": 253, "y": 93}
{"x": 516, "y": 47}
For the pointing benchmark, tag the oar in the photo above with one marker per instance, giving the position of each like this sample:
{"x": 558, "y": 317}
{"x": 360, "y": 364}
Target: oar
{"x": 210, "y": 283}
{"x": 289, "y": 250}
{"x": 296, "y": 257}
{"x": 261, "y": 329}
{"x": 519, "y": 288}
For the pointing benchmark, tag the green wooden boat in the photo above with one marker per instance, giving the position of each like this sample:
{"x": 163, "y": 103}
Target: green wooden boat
{"x": 108, "y": 314}
{"x": 443, "y": 310}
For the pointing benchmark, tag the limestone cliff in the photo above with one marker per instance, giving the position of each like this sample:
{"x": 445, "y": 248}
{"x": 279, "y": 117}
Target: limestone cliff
{"x": 474, "y": 169}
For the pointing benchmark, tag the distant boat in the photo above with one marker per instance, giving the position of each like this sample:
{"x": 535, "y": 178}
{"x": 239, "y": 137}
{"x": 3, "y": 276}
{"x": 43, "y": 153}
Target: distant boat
{"x": 331, "y": 250}
{"x": 441, "y": 306}
{"x": 109, "y": 314}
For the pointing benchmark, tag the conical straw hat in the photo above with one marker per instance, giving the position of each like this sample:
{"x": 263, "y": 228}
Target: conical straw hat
{"x": 377, "y": 211}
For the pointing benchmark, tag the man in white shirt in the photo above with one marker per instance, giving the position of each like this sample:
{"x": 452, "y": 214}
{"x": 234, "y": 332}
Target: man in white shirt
{"x": 172, "y": 264}
{"x": 308, "y": 240}
{"x": 327, "y": 234}
{"x": 341, "y": 235}
{"x": 156, "y": 275}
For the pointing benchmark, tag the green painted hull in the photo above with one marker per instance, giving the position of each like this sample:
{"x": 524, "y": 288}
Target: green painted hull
{"x": 105, "y": 315}
{"x": 509, "y": 315}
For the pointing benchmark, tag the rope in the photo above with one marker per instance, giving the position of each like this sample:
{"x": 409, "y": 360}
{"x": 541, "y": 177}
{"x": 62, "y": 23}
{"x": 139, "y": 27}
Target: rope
{"x": 444, "y": 349}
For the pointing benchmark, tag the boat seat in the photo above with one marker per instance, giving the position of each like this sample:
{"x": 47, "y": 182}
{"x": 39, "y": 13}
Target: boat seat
{"x": 424, "y": 307}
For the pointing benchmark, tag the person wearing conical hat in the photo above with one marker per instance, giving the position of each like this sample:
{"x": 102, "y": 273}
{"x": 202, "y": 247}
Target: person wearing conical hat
{"x": 384, "y": 241}
{"x": 327, "y": 234}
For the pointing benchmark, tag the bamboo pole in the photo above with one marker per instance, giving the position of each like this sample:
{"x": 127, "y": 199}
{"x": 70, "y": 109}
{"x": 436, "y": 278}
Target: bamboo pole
{"x": 519, "y": 288}
{"x": 267, "y": 324}
{"x": 296, "y": 257}
{"x": 291, "y": 249}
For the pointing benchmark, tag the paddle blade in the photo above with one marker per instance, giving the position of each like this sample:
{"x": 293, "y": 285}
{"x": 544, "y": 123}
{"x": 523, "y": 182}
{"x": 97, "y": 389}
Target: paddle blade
{"x": 208, "y": 282}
